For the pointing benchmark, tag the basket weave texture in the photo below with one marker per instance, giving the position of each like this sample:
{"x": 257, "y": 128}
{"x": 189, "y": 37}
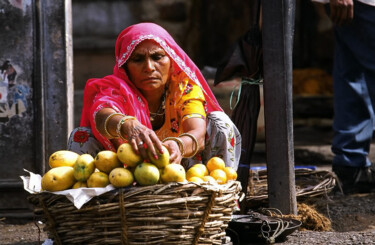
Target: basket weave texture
{"x": 309, "y": 183}
{"x": 173, "y": 213}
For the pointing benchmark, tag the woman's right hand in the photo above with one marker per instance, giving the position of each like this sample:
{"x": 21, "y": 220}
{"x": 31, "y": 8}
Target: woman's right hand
{"x": 141, "y": 138}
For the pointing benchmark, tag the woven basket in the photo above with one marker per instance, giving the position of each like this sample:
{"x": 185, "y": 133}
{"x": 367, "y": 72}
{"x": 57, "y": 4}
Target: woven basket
{"x": 173, "y": 213}
{"x": 309, "y": 183}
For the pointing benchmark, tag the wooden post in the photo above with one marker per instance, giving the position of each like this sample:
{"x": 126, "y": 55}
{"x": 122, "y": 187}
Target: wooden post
{"x": 277, "y": 28}
{"x": 56, "y": 62}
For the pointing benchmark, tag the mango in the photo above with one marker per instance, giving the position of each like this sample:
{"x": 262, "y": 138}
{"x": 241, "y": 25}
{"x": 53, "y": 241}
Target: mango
{"x": 62, "y": 158}
{"x": 146, "y": 174}
{"x": 58, "y": 179}
{"x": 127, "y": 156}
{"x": 163, "y": 158}
{"x": 121, "y": 177}
{"x": 84, "y": 167}
{"x": 107, "y": 160}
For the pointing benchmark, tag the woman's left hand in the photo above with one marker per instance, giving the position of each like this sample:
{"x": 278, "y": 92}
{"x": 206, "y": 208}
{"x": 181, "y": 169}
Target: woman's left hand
{"x": 174, "y": 151}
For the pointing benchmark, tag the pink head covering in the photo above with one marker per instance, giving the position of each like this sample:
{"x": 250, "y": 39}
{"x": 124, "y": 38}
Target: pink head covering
{"x": 126, "y": 98}
{"x": 133, "y": 35}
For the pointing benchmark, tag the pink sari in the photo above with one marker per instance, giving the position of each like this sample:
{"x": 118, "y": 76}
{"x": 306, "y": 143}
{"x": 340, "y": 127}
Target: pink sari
{"x": 117, "y": 92}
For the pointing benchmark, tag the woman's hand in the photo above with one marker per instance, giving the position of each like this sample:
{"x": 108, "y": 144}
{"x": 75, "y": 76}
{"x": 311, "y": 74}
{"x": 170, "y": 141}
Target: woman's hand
{"x": 174, "y": 151}
{"x": 141, "y": 138}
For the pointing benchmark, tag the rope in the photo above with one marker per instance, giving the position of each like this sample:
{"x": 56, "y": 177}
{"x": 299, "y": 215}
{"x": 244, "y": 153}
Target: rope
{"x": 245, "y": 81}
{"x": 205, "y": 218}
{"x": 266, "y": 233}
{"x": 51, "y": 221}
{"x": 39, "y": 231}
{"x": 281, "y": 226}
{"x": 124, "y": 234}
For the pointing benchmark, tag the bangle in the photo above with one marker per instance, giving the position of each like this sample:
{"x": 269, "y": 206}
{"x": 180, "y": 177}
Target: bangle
{"x": 106, "y": 122}
{"x": 120, "y": 123}
{"x": 195, "y": 142}
{"x": 179, "y": 142}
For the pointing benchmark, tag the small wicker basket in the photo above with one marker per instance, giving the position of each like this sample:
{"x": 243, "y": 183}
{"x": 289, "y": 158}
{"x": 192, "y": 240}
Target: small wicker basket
{"x": 173, "y": 213}
{"x": 309, "y": 183}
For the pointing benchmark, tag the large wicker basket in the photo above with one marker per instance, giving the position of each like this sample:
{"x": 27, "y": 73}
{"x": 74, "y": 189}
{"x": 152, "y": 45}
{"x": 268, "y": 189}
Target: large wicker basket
{"x": 172, "y": 213}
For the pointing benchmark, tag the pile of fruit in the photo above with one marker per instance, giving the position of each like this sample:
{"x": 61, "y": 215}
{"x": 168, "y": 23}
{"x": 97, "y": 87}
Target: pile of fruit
{"x": 125, "y": 168}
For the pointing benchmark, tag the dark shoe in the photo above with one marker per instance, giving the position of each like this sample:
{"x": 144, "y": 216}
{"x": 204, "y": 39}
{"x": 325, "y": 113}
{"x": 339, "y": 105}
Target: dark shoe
{"x": 355, "y": 180}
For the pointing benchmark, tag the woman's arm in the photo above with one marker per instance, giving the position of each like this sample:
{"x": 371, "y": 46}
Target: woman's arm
{"x": 197, "y": 128}
{"x": 193, "y": 140}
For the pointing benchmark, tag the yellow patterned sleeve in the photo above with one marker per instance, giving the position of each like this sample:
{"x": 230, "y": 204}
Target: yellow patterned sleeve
{"x": 191, "y": 102}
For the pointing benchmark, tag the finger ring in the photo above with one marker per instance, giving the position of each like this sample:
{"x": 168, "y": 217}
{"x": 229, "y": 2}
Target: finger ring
{"x": 140, "y": 143}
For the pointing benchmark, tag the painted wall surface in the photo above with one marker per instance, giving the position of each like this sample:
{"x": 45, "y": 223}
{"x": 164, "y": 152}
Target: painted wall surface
{"x": 16, "y": 90}
{"x": 36, "y": 92}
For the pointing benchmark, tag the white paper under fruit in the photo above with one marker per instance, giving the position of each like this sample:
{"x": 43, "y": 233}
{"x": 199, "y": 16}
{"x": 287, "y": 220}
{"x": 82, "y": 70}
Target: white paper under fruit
{"x": 78, "y": 197}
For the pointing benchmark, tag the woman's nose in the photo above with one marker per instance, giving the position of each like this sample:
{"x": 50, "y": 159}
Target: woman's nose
{"x": 149, "y": 65}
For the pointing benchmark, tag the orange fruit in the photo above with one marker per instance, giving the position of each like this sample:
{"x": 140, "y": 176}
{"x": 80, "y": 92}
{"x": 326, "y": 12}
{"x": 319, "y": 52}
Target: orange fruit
{"x": 208, "y": 179}
{"x": 231, "y": 173}
{"x": 203, "y": 167}
{"x": 194, "y": 171}
{"x": 215, "y": 163}
{"x": 196, "y": 180}
{"x": 219, "y": 175}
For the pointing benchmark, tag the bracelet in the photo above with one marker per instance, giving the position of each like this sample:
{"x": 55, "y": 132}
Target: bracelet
{"x": 195, "y": 141}
{"x": 106, "y": 122}
{"x": 121, "y": 122}
{"x": 179, "y": 142}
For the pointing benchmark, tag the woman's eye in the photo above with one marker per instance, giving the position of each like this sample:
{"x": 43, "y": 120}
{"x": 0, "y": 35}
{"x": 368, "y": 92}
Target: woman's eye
{"x": 136, "y": 59}
{"x": 157, "y": 56}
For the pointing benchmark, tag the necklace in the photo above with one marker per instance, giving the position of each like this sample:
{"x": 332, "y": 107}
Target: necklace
{"x": 160, "y": 111}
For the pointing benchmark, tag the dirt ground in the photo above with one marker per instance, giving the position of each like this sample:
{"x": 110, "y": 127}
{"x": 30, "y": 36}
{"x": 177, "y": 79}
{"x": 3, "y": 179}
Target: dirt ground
{"x": 352, "y": 216}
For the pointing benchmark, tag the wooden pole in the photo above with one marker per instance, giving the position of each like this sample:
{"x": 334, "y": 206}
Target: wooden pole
{"x": 277, "y": 29}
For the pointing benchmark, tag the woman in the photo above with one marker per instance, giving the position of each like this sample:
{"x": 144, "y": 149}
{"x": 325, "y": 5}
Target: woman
{"x": 156, "y": 96}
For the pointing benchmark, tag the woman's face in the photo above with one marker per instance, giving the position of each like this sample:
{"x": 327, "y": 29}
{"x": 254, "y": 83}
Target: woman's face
{"x": 149, "y": 66}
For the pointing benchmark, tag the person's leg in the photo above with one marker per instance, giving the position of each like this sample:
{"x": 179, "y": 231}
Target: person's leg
{"x": 353, "y": 123}
{"x": 82, "y": 141}
{"x": 354, "y": 93}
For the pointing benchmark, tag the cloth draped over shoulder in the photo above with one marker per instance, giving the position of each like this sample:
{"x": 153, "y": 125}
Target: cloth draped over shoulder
{"x": 117, "y": 91}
